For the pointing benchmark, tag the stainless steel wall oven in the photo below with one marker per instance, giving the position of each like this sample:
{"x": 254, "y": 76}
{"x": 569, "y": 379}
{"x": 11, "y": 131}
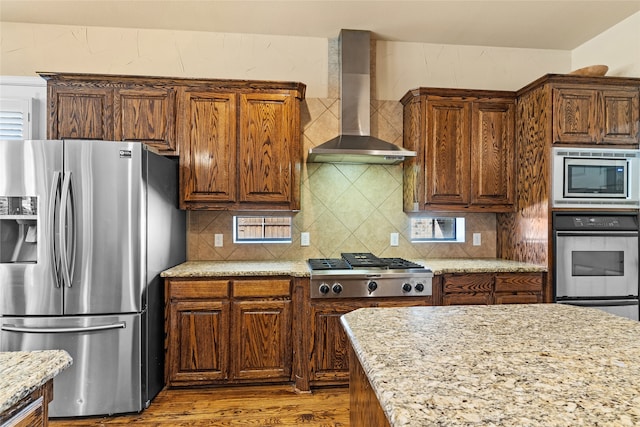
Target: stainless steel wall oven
{"x": 596, "y": 261}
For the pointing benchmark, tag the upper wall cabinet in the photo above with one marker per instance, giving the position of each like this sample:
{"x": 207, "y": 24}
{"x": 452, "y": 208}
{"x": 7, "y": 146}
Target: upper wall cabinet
{"x": 465, "y": 145}
{"x": 238, "y": 141}
{"x": 120, "y": 108}
{"x": 595, "y": 114}
{"x": 240, "y": 147}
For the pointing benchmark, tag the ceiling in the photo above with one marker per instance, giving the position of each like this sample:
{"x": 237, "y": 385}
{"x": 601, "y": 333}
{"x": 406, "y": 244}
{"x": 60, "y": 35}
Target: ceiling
{"x": 560, "y": 24}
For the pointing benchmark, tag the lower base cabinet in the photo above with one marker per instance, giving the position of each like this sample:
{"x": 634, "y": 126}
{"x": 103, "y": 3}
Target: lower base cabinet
{"x": 329, "y": 343}
{"x": 492, "y": 288}
{"x": 228, "y": 331}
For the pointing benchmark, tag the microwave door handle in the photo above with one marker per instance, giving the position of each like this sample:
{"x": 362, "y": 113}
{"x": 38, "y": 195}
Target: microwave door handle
{"x": 76, "y": 329}
{"x": 54, "y": 203}
{"x": 600, "y": 303}
{"x": 597, "y": 233}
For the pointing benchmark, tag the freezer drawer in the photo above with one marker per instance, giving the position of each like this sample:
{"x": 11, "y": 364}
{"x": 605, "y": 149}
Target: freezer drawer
{"x": 105, "y": 377}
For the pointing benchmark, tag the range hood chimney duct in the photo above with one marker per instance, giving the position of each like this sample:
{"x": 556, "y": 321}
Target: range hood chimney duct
{"x": 355, "y": 144}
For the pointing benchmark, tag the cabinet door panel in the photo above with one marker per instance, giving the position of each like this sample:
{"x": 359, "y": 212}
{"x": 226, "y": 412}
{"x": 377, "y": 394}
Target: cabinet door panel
{"x": 262, "y": 340}
{"x": 493, "y": 153}
{"x": 330, "y": 357}
{"x": 208, "y": 151}
{"x": 447, "y": 152}
{"x": 80, "y": 113}
{"x": 574, "y": 115}
{"x": 467, "y": 299}
{"x": 464, "y": 283}
{"x": 518, "y": 298}
{"x": 147, "y": 115}
{"x": 198, "y": 344}
{"x": 620, "y": 117}
{"x": 265, "y": 169}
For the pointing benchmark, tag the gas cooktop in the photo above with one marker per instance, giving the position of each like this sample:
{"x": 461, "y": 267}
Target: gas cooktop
{"x": 363, "y": 274}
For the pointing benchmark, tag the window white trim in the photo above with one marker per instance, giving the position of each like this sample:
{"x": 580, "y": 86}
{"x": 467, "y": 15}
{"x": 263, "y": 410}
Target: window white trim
{"x": 259, "y": 229}
{"x": 16, "y": 118}
{"x": 460, "y": 232}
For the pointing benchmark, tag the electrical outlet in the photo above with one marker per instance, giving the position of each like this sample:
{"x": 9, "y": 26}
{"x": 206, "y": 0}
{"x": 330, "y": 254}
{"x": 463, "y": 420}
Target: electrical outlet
{"x": 218, "y": 240}
{"x": 394, "y": 239}
{"x": 477, "y": 239}
{"x": 304, "y": 239}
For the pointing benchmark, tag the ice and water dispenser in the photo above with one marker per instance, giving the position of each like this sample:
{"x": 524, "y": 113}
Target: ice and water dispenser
{"x": 18, "y": 229}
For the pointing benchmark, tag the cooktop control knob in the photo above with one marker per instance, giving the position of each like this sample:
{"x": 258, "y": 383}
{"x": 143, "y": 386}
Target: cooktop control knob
{"x": 337, "y": 288}
{"x": 406, "y": 287}
{"x": 372, "y": 286}
{"x": 419, "y": 287}
{"x": 324, "y": 289}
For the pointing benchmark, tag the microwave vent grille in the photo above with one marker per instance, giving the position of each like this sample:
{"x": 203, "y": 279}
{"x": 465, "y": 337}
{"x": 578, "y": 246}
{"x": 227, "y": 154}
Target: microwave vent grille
{"x": 599, "y": 154}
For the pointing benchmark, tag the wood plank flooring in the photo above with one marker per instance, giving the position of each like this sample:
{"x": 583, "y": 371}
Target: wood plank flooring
{"x": 249, "y": 406}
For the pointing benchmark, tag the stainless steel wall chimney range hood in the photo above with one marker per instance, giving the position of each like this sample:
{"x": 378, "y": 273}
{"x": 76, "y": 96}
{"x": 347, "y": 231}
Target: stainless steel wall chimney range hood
{"x": 354, "y": 144}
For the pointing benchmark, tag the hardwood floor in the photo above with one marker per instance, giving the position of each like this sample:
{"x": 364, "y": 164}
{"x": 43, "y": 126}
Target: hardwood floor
{"x": 253, "y": 406}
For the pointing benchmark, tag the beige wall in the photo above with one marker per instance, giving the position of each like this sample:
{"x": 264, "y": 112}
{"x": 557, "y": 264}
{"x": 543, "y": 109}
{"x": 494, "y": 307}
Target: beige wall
{"x": 618, "y": 48}
{"x": 27, "y": 48}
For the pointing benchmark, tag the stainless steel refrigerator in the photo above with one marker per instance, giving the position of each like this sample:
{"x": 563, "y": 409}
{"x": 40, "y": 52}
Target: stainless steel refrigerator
{"x": 85, "y": 229}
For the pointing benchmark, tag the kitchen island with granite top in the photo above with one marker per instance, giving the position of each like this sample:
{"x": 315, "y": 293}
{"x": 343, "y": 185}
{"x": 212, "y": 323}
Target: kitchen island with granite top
{"x": 26, "y": 385}
{"x": 501, "y": 365}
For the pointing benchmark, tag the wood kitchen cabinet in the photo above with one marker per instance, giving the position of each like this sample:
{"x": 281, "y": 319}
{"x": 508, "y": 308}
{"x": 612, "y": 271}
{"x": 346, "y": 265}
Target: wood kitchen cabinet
{"x": 329, "y": 359}
{"x": 589, "y": 114}
{"x": 241, "y": 147}
{"x": 238, "y": 141}
{"x": 465, "y": 143}
{"x": 492, "y": 288}
{"x": 555, "y": 109}
{"x": 79, "y": 112}
{"x": 114, "y": 108}
{"x": 197, "y": 331}
{"x": 228, "y": 331}
{"x": 261, "y": 330}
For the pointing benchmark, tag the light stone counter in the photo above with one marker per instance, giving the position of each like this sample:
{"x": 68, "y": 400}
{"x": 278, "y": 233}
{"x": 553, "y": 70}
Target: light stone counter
{"x": 22, "y": 372}
{"x": 503, "y": 365}
{"x": 238, "y": 268}
{"x": 301, "y": 269}
{"x": 479, "y": 265}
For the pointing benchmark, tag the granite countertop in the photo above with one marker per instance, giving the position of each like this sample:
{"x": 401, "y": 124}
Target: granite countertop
{"x": 238, "y": 268}
{"x": 301, "y": 269}
{"x": 22, "y": 372}
{"x": 503, "y": 365}
{"x": 479, "y": 265}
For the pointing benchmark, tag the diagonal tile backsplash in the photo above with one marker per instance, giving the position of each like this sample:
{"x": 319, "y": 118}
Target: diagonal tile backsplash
{"x": 345, "y": 208}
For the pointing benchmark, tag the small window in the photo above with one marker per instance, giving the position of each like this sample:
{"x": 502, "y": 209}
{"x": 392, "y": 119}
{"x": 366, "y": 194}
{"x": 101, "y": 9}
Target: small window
{"x": 444, "y": 229}
{"x": 261, "y": 229}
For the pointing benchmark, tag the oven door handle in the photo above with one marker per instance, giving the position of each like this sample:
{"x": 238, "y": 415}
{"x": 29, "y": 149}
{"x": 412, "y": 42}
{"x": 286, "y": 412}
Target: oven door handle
{"x": 600, "y": 303}
{"x": 597, "y": 233}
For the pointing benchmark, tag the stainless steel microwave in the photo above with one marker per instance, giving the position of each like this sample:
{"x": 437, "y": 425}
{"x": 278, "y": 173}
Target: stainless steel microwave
{"x": 596, "y": 177}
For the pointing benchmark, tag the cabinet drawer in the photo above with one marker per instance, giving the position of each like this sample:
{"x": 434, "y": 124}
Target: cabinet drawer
{"x": 519, "y": 283}
{"x": 468, "y": 283}
{"x": 198, "y": 289}
{"x": 262, "y": 288}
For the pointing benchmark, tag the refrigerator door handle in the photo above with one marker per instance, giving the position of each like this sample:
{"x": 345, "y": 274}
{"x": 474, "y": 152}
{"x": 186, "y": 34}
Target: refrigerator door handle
{"x": 54, "y": 200}
{"x": 14, "y": 328}
{"x": 67, "y": 230}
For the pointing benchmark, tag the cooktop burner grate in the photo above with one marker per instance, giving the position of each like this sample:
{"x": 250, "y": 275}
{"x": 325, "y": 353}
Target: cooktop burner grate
{"x": 329, "y": 264}
{"x": 355, "y": 261}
